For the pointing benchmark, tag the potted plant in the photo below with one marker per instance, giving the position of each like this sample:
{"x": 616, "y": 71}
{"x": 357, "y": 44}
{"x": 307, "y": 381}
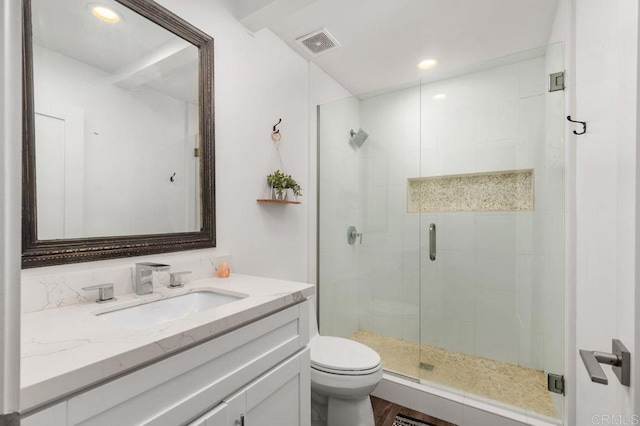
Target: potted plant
{"x": 280, "y": 182}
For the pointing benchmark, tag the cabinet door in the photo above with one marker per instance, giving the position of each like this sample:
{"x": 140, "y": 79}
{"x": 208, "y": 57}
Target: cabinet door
{"x": 237, "y": 409}
{"x": 281, "y": 397}
{"x": 215, "y": 417}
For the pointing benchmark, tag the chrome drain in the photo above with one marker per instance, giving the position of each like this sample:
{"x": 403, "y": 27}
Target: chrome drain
{"x": 427, "y": 367}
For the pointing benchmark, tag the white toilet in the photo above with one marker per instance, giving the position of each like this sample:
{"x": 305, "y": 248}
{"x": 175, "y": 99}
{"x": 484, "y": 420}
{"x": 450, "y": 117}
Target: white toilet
{"x": 343, "y": 374}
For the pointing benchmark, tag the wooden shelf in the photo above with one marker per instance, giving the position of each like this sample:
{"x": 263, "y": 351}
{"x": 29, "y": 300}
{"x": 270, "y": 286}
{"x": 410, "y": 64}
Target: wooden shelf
{"x": 272, "y": 201}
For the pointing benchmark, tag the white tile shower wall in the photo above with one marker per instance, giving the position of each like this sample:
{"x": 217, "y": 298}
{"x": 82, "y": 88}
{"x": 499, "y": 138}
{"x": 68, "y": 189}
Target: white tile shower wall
{"x": 390, "y": 255}
{"x": 340, "y": 196}
{"x": 496, "y": 287}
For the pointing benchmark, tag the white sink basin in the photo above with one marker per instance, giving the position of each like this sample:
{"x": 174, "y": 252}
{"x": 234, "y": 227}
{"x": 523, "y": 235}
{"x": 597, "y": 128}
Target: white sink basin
{"x": 166, "y": 310}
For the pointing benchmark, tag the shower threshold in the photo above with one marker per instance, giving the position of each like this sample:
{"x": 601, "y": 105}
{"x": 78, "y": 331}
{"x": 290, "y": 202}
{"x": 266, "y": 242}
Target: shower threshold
{"x": 509, "y": 384}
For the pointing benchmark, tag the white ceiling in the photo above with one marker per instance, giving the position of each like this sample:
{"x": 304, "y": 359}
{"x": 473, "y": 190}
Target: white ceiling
{"x": 383, "y": 40}
{"x": 69, "y": 28}
{"x": 135, "y": 51}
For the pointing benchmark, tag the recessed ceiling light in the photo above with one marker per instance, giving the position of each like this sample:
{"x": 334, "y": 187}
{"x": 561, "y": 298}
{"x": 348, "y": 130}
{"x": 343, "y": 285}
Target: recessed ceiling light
{"x": 439, "y": 97}
{"x": 427, "y": 64}
{"x": 105, "y": 14}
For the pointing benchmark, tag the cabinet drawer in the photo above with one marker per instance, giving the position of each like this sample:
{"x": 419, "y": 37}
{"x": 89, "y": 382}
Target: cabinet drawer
{"x": 179, "y": 389}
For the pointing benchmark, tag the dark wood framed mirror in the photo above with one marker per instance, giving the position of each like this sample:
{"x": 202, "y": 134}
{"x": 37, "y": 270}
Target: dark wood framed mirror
{"x": 118, "y": 139}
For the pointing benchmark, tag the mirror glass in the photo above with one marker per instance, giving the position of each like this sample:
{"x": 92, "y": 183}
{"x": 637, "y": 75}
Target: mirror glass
{"x": 116, "y": 102}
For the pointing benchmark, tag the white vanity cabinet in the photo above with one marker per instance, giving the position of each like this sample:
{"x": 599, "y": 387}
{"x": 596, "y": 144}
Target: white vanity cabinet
{"x": 281, "y": 397}
{"x": 260, "y": 370}
{"x": 52, "y": 416}
{"x": 219, "y": 416}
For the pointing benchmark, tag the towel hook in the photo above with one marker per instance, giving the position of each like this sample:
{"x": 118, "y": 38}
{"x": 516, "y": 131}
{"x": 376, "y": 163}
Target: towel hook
{"x": 276, "y": 125}
{"x": 276, "y": 135}
{"x": 584, "y": 126}
{"x": 172, "y": 178}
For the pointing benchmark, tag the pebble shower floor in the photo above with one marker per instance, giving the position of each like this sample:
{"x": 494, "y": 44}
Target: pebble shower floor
{"x": 521, "y": 387}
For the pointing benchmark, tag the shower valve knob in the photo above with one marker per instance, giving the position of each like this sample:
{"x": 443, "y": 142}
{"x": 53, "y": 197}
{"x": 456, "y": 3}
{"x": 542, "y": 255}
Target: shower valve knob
{"x": 353, "y": 235}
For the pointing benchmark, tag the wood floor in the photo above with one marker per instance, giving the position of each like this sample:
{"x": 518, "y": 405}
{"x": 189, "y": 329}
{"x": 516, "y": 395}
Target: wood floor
{"x": 385, "y": 412}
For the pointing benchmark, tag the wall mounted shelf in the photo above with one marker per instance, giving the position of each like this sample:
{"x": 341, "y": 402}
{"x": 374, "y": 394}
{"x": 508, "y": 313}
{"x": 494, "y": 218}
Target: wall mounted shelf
{"x": 272, "y": 201}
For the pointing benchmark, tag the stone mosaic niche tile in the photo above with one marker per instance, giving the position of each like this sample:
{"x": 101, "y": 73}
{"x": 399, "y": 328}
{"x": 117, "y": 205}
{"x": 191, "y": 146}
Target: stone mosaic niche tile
{"x": 480, "y": 192}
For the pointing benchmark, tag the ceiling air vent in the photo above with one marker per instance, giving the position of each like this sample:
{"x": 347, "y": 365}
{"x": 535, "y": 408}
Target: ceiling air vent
{"x": 318, "y": 42}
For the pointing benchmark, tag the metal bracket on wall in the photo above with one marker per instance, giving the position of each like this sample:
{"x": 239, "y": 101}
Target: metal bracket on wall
{"x": 555, "y": 383}
{"x": 556, "y": 81}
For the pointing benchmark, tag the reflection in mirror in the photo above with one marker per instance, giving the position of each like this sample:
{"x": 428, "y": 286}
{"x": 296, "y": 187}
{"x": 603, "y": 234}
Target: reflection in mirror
{"x": 116, "y": 103}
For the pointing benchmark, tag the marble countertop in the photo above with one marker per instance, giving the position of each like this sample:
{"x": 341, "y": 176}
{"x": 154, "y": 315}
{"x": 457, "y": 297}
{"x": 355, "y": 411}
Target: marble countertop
{"x": 69, "y": 348}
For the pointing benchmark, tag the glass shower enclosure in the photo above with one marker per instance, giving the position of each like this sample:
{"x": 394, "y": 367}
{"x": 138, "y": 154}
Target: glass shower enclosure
{"x": 441, "y": 229}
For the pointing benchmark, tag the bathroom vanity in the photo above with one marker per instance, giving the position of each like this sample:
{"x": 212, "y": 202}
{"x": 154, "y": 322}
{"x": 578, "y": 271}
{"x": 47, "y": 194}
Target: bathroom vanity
{"x": 245, "y": 362}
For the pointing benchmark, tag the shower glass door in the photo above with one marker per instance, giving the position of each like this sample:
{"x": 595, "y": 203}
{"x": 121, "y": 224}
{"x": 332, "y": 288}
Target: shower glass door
{"x": 441, "y": 229}
{"x": 490, "y": 198}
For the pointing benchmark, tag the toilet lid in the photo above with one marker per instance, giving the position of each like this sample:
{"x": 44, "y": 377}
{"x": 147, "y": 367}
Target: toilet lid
{"x": 335, "y": 354}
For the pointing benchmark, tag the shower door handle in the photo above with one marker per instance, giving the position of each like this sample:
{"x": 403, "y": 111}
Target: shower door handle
{"x": 432, "y": 241}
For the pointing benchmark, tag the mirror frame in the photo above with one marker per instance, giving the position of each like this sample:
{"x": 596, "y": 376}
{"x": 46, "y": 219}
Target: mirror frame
{"x": 38, "y": 253}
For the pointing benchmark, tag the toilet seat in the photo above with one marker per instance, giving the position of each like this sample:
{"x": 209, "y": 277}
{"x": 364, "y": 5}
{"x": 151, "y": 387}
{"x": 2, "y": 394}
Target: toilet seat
{"x": 335, "y": 355}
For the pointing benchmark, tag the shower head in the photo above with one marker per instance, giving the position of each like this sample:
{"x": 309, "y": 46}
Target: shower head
{"x": 358, "y": 138}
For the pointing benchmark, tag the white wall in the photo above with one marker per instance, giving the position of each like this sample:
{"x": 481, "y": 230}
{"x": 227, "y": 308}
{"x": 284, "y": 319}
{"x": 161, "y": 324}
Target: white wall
{"x": 606, "y": 68}
{"x": 258, "y": 79}
{"x": 10, "y": 194}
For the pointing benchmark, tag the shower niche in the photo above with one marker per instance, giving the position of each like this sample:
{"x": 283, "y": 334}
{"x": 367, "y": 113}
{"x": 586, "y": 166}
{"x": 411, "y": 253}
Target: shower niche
{"x": 482, "y": 192}
{"x": 479, "y": 155}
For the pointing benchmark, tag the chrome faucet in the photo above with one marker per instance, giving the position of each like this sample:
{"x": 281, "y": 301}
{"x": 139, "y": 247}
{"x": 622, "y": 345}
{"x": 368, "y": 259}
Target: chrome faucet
{"x": 144, "y": 276}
